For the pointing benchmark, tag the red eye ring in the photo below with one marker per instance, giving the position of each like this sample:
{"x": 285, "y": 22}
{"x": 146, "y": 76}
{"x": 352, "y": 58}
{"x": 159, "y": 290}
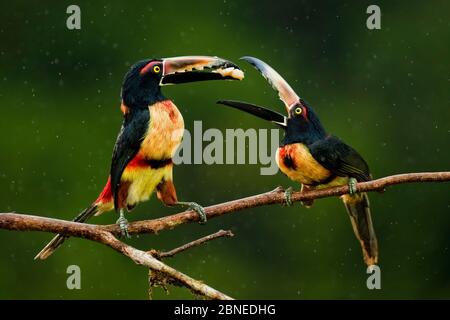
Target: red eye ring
{"x": 148, "y": 67}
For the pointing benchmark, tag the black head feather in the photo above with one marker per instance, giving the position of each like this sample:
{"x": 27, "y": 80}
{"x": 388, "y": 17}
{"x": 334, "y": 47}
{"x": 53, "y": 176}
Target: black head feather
{"x": 141, "y": 90}
{"x": 304, "y": 127}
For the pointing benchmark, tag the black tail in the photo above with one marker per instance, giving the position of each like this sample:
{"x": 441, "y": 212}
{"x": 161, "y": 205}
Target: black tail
{"x": 359, "y": 211}
{"x": 59, "y": 239}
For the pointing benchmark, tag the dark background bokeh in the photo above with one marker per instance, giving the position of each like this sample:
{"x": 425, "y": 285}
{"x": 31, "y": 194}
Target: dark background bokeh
{"x": 385, "y": 92}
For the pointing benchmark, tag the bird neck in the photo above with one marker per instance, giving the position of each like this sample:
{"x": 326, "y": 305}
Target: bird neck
{"x": 142, "y": 96}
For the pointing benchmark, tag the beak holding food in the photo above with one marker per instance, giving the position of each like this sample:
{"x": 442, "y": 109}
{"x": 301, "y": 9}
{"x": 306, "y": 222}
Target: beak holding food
{"x": 185, "y": 69}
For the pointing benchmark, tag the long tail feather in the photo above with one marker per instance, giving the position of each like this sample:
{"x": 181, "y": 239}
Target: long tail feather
{"x": 59, "y": 239}
{"x": 359, "y": 211}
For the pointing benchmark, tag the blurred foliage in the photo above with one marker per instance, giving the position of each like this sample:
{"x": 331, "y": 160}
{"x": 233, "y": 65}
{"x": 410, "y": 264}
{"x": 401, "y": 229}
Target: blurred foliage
{"x": 385, "y": 92}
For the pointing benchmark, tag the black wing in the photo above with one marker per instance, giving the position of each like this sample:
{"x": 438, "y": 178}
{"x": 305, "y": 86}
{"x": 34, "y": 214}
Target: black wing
{"x": 340, "y": 158}
{"x": 127, "y": 145}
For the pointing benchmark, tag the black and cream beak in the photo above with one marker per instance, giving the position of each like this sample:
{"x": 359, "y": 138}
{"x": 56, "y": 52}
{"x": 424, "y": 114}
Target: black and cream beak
{"x": 178, "y": 70}
{"x": 260, "y": 112}
{"x": 285, "y": 92}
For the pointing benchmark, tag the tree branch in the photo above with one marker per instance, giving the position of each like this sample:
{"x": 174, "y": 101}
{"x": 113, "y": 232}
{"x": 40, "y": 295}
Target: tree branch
{"x": 20, "y": 222}
{"x": 105, "y": 234}
{"x": 275, "y": 196}
{"x": 195, "y": 243}
{"x": 156, "y": 279}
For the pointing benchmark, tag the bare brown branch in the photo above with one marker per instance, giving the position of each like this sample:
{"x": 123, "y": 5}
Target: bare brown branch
{"x": 195, "y": 243}
{"x": 21, "y": 222}
{"x": 157, "y": 279}
{"x": 275, "y": 196}
{"x": 105, "y": 234}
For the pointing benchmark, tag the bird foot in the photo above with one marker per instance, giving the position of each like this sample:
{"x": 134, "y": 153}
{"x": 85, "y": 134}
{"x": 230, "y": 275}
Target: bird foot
{"x": 352, "y": 189}
{"x": 306, "y": 203}
{"x": 123, "y": 225}
{"x": 197, "y": 208}
{"x": 288, "y": 197}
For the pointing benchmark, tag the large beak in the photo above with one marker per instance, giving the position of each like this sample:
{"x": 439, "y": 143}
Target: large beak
{"x": 258, "y": 111}
{"x": 198, "y": 68}
{"x": 285, "y": 92}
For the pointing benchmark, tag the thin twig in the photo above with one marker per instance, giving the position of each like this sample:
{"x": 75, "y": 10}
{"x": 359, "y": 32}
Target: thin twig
{"x": 195, "y": 243}
{"x": 156, "y": 279}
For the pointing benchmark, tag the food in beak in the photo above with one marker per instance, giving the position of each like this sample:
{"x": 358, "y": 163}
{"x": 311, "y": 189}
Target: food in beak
{"x": 231, "y": 72}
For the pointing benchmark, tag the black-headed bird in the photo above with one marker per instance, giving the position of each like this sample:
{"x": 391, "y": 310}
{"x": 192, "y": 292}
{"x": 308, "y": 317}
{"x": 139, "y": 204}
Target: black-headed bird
{"x": 315, "y": 158}
{"x": 151, "y": 132}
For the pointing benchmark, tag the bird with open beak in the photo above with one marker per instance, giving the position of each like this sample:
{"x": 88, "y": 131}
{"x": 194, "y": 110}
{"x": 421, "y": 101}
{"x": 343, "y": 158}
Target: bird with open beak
{"x": 314, "y": 158}
{"x": 151, "y": 132}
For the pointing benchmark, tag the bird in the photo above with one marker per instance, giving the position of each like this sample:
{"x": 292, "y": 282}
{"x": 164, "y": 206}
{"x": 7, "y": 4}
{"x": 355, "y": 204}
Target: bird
{"x": 308, "y": 154}
{"x": 150, "y": 134}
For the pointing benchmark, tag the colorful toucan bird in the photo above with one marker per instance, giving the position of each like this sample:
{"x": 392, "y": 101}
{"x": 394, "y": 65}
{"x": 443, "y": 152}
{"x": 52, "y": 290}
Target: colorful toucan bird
{"x": 316, "y": 159}
{"x": 151, "y": 132}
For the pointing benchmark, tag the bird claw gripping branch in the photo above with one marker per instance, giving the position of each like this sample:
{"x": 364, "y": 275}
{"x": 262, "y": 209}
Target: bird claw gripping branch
{"x": 123, "y": 224}
{"x": 197, "y": 208}
{"x": 288, "y": 197}
{"x": 352, "y": 188}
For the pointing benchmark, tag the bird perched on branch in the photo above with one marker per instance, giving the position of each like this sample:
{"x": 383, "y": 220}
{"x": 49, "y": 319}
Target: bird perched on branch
{"x": 316, "y": 159}
{"x": 151, "y": 132}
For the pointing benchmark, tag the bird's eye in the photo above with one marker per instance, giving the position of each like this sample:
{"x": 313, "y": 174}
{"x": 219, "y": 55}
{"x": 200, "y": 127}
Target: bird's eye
{"x": 156, "y": 69}
{"x": 298, "y": 110}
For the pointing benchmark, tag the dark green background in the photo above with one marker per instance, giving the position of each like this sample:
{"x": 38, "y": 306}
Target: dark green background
{"x": 385, "y": 92}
